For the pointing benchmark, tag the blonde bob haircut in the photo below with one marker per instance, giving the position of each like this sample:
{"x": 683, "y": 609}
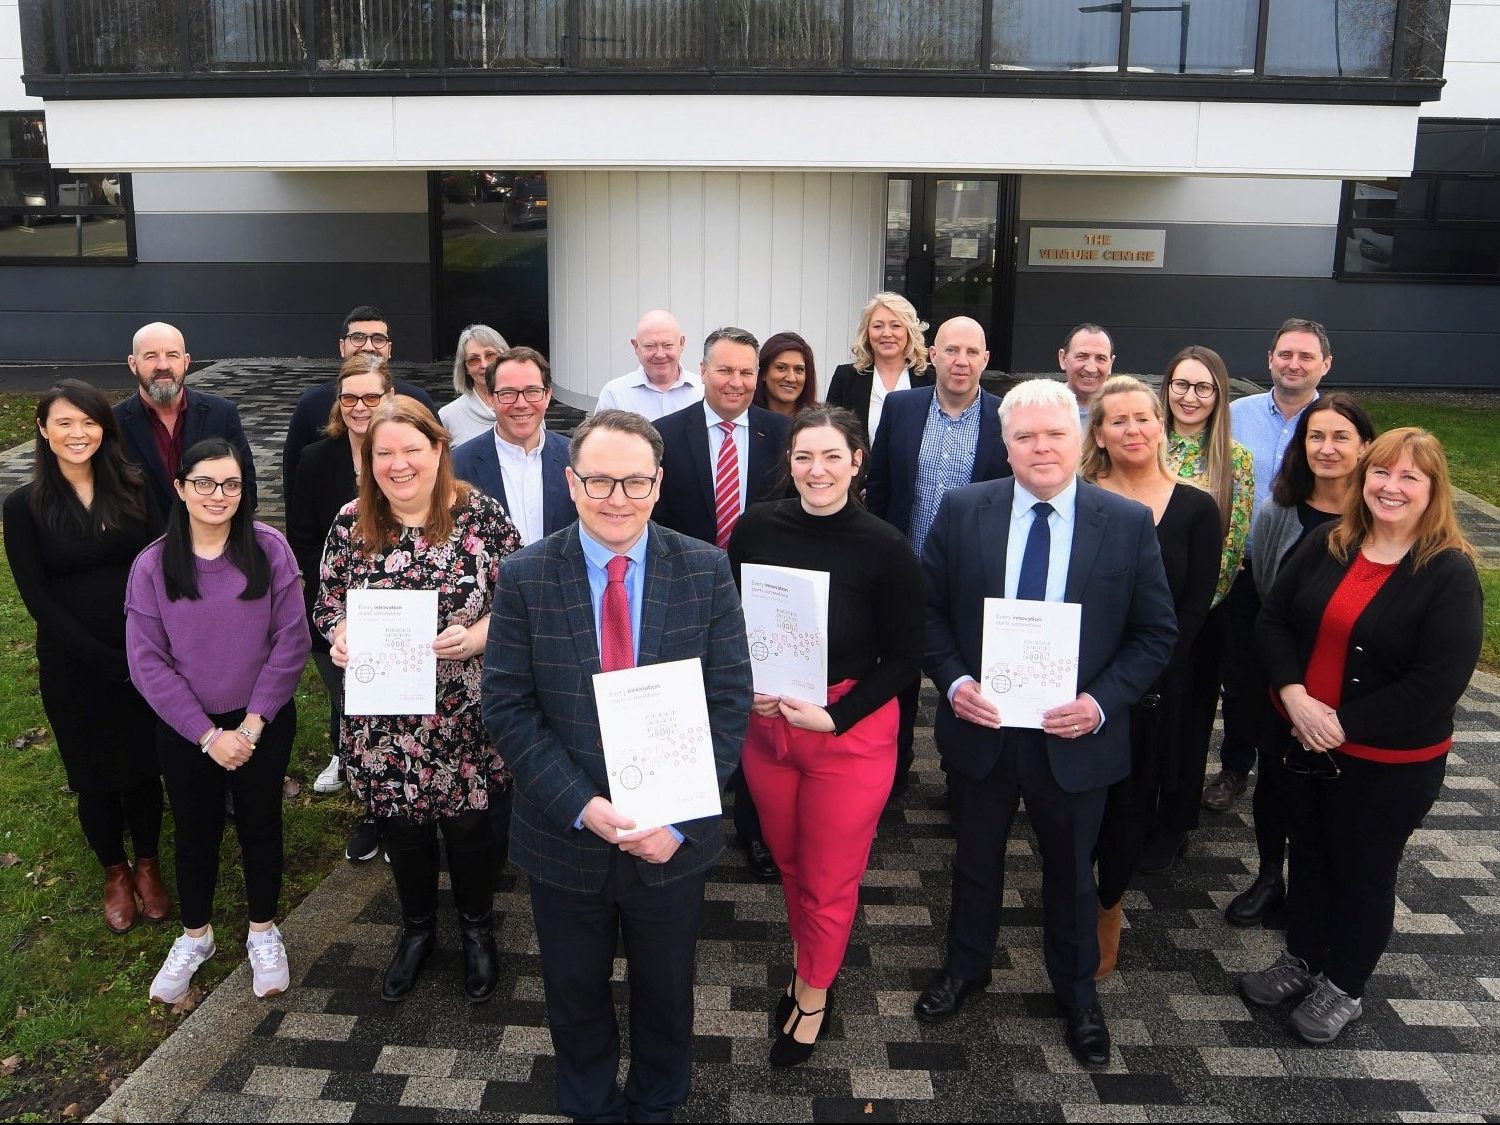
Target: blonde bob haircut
{"x": 1096, "y": 461}
{"x": 1438, "y": 528}
{"x": 916, "y": 343}
{"x": 377, "y": 526}
{"x": 360, "y": 363}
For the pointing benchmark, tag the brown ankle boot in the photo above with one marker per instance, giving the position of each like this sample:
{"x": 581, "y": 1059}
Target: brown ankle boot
{"x": 1109, "y": 938}
{"x": 119, "y": 898}
{"x": 156, "y": 903}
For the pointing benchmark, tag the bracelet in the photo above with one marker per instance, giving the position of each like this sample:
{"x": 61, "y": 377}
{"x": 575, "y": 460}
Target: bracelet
{"x": 250, "y": 736}
{"x": 208, "y": 739}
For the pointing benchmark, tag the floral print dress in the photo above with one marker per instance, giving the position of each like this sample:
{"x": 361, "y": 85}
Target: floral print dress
{"x": 1186, "y": 458}
{"x": 424, "y": 766}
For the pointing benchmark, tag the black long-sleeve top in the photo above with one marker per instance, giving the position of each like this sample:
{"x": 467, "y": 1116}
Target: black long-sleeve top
{"x": 875, "y": 599}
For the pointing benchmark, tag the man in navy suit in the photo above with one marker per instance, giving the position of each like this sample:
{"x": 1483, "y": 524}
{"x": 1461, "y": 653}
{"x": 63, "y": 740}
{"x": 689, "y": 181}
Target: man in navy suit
{"x": 611, "y": 590}
{"x": 710, "y": 479}
{"x": 166, "y": 418}
{"x": 1043, "y": 536}
{"x": 520, "y": 464}
{"x": 932, "y": 439}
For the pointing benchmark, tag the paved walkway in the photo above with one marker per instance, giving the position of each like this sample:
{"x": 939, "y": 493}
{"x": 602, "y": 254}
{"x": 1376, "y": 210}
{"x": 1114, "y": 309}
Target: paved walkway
{"x": 1187, "y": 1048}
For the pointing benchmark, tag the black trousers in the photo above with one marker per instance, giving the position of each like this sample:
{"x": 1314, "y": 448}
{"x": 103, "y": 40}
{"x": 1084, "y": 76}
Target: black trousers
{"x": 1067, "y": 829}
{"x": 908, "y": 700}
{"x": 196, "y": 785}
{"x": 1348, "y": 835}
{"x": 1269, "y": 801}
{"x": 747, "y": 828}
{"x": 1179, "y": 811}
{"x": 578, "y": 934}
{"x": 104, "y": 818}
{"x": 413, "y": 848}
{"x": 333, "y": 680}
{"x": 1244, "y": 683}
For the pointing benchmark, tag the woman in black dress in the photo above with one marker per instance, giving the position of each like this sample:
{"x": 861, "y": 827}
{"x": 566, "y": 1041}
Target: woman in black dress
{"x": 1125, "y": 452}
{"x": 71, "y": 535}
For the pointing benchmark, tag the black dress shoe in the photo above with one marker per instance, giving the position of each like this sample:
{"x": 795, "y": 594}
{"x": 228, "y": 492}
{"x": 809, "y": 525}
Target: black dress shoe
{"x": 481, "y": 958}
{"x": 1250, "y": 906}
{"x": 1087, "y": 1035}
{"x": 759, "y": 857}
{"x": 418, "y": 939}
{"x": 942, "y": 999}
{"x": 1161, "y": 852}
{"x": 784, "y": 1005}
{"x": 788, "y": 1050}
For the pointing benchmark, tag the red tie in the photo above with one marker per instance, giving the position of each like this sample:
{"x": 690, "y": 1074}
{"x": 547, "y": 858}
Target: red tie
{"x": 616, "y": 646}
{"x": 726, "y": 487}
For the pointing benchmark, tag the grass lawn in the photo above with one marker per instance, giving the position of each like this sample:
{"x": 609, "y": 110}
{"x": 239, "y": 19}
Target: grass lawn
{"x": 1470, "y": 435}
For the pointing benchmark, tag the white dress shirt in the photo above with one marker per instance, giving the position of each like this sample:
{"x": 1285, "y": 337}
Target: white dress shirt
{"x": 878, "y": 393}
{"x": 522, "y": 473}
{"x": 638, "y": 393}
{"x": 1060, "y": 523}
{"x": 741, "y": 446}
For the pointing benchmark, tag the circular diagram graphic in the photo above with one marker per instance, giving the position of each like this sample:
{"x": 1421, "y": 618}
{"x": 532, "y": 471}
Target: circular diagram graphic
{"x": 760, "y": 650}
{"x": 364, "y": 673}
{"x": 630, "y": 777}
{"x": 1000, "y": 683}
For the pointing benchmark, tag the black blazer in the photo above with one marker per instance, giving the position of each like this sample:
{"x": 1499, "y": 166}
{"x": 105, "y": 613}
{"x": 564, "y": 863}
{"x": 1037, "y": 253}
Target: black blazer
{"x": 1411, "y": 651}
{"x": 891, "y": 488}
{"x": 850, "y": 388}
{"x": 477, "y": 462}
{"x": 327, "y": 485}
{"x": 687, "y": 486}
{"x": 1128, "y": 623}
{"x": 310, "y": 418}
{"x": 204, "y": 415}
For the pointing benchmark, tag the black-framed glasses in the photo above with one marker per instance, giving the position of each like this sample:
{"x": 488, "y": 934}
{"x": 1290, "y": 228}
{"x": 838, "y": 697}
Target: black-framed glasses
{"x": 1298, "y": 758}
{"x": 349, "y": 402}
{"x": 533, "y": 395}
{"x": 1201, "y": 390}
{"x": 360, "y": 339}
{"x": 207, "y": 486}
{"x": 602, "y": 487}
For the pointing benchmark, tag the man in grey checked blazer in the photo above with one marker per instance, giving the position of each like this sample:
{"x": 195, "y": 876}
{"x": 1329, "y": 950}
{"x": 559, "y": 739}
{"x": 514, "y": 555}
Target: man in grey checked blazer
{"x": 586, "y": 888}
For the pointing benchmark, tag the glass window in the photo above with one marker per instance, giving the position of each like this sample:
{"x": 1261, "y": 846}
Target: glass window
{"x": 1470, "y": 199}
{"x": 1429, "y": 225}
{"x": 1049, "y": 35}
{"x": 52, "y": 213}
{"x": 135, "y": 38}
{"x": 496, "y": 33}
{"x": 375, "y": 35}
{"x": 1331, "y": 38}
{"x": 233, "y": 35}
{"x": 654, "y": 34}
{"x": 897, "y": 233}
{"x": 933, "y": 35}
{"x": 780, "y": 34}
{"x": 1194, "y": 37}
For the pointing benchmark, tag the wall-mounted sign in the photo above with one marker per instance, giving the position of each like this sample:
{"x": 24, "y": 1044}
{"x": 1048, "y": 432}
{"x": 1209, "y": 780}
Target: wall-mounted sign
{"x": 1117, "y": 247}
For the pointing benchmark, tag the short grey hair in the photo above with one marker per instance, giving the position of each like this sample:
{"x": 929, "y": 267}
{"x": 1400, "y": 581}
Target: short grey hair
{"x": 733, "y": 335}
{"x": 1039, "y": 392}
{"x": 621, "y": 421}
{"x": 486, "y": 337}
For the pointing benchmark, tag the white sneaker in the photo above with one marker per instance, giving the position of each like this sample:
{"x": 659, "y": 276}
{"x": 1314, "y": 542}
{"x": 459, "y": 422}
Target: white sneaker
{"x": 268, "y": 962}
{"x": 176, "y": 973}
{"x": 331, "y": 780}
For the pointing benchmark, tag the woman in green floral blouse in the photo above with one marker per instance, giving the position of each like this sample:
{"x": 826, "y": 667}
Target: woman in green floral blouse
{"x": 1195, "y": 400}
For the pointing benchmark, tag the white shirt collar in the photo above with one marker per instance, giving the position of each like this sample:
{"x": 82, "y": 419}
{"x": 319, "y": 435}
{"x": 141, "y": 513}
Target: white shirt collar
{"x": 511, "y": 449}
{"x": 1063, "y": 503}
{"x": 685, "y": 378}
{"x": 715, "y": 420}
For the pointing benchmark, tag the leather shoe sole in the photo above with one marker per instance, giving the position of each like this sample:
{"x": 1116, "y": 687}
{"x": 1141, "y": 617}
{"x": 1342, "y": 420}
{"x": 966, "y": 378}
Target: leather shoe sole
{"x": 942, "y": 999}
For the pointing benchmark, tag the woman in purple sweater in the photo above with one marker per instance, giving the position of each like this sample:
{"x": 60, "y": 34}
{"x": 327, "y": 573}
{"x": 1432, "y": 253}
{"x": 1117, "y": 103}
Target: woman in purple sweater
{"x": 216, "y": 636}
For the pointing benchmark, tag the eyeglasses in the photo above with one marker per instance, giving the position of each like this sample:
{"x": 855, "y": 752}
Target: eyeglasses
{"x": 479, "y": 359}
{"x": 360, "y": 339}
{"x": 1202, "y": 390}
{"x": 602, "y": 488}
{"x": 1297, "y": 758}
{"x": 207, "y": 486}
{"x": 351, "y": 401}
{"x": 508, "y": 396}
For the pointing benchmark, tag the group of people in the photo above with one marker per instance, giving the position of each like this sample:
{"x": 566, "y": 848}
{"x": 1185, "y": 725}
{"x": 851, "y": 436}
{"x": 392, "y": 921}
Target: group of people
{"x": 1275, "y": 552}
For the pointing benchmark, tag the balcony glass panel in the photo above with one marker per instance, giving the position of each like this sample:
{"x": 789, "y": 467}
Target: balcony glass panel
{"x": 780, "y": 34}
{"x": 502, "y": 34}
{"x": 642, "y": 34}
{"x": 1425, "y": 40}
{"x": 121, "y": 36}
{"x": 1053, "y": 35}
{"x": 933, "y": 35}
{"x": 1331, "y": 38}
{"x": 1194, "y": 36}
{"x": 375, "y": 35}
{"x": 232, "y": 35}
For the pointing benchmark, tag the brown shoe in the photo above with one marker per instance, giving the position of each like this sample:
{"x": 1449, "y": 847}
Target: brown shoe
{"x": 1223, "y": 790}
{"x": 156, "y": 903}
{"x": 119, "y": 898}
{"x": 1109, "y": 938}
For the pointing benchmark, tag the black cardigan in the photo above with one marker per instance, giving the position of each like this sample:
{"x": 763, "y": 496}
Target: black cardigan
{"x": 319, "y": 493}
{"x": 1411, "y": 651}
{"x": 850, "y": 388}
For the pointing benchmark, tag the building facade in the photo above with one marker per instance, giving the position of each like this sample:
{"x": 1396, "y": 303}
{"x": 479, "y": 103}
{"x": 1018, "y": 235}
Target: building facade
{"x": 1182, "y": 173}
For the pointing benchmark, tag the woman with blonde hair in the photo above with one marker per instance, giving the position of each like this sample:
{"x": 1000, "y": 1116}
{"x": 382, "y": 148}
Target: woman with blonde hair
{"x": 1368, "y": 639}
{"x": 889, "y": 353}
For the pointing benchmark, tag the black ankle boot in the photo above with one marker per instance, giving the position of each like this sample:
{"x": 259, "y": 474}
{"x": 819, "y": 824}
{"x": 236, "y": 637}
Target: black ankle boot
{"x": 418, "y": 940}
{"x": 481, "y": 958}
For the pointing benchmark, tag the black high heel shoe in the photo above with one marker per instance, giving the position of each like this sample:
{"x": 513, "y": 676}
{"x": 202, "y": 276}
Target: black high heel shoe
{"x": 787, "y": 1050}
{"x": 784, "y": 1005}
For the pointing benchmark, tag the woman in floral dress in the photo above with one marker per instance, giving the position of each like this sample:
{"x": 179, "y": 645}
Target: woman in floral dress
{"x": 414, "y": 527}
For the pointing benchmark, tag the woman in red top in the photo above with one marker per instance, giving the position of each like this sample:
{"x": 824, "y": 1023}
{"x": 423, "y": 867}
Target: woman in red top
{"x": 1368, "y": 639}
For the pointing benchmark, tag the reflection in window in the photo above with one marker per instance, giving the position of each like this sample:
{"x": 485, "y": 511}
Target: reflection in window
{"x": 1194, "y": 38}
{"x": 375, "y": 35}
{"x": 897, "y": 233}
{"x": 230, "y": 35}
{"x": 139, "y": 37}
{"x": 52, "y": 213}
{"x": 1331, "y": 38}
{"x": 1053, "y": 35}
{"x": 780, "y": 33}
{"x": 933, "y": 35}
{"x": 656, "y": 34}
{"x": 1441, "y": 226}
{"x": 497, "y": 33}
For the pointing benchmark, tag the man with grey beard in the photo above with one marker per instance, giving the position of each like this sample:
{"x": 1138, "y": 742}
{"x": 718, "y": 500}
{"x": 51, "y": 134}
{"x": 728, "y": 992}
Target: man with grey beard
{"x": 165, "y": 417}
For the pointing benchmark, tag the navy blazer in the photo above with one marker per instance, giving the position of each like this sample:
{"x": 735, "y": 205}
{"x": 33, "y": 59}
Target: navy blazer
{"x": 204, "y": 415}
{"x": 538, "y": 695}
{"x": 891, "y": 488}
{"x": 850, "y": 388}
{"x": 687, "y": 486}
{"x": 1126, "y": 636}
{"x": 478, "y": 462}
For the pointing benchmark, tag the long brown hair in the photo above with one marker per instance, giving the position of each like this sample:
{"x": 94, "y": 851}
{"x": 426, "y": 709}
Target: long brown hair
{"x": 360, "y": 363}
{"x": 1438, "y": 529}
{"x": 377, "y": 526}
{"x": 1217, "y": 443}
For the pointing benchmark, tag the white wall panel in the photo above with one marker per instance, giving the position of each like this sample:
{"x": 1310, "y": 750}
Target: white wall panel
{"x": 246, "y": 192}
{"x": 765, "y": 251}
{"x": 1180, "y": 199}
{"x": 1347, "y": 140}
{"x": 1472, "y": 66}
{"x": 12, "y": 92}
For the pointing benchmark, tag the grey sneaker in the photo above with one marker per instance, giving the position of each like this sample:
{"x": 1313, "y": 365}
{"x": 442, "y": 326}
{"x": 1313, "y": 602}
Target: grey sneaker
{"x": 1324, "y": 1015}
{"x": 1223, "y": 790}
{"x": 1288, "y": 978}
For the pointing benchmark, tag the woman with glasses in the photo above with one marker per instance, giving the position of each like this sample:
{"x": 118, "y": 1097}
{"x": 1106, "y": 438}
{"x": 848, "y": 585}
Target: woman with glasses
{"x": 1309, "y": 491}
{"x": 330, "y": 482}
{"x": 216, "y": 634}
{"x": 70, "y": 536}
{"x": 788, "y": 376}
{"x": 890, "y": 354}
{"x": 1195, "y": 396}
{"x": 415, "y": 527}
{"x": 469, "y": 415}
{"x": 1369, "y": 637}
